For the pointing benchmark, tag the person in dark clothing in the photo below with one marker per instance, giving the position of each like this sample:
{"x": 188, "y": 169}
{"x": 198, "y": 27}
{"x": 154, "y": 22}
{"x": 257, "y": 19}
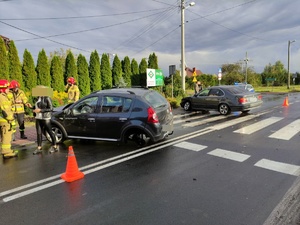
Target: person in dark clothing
{"x": 43, "y": 111}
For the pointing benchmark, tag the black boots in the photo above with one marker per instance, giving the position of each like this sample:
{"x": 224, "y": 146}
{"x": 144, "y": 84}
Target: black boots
{"x": 22, "y": 135}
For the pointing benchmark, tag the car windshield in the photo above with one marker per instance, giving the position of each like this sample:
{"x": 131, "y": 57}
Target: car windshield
{"x": 155, "y": 99}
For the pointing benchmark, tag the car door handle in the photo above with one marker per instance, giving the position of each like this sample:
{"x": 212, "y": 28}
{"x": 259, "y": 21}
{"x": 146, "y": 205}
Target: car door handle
{"x": 91, "y": 119}
{"x": 122, "y": 119}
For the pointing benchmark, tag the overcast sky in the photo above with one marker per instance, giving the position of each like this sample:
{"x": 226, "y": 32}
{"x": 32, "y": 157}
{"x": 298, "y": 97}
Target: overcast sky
{"x": 216, "y": 31}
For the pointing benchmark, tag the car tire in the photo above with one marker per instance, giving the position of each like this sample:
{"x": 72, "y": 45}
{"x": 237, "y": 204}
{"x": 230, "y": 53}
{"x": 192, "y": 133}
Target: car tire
{"x": 187, "y": 106}
{"x": 59, "y": 134}
{"x": 224, "y": 109}
{"x": 140, "y": 138}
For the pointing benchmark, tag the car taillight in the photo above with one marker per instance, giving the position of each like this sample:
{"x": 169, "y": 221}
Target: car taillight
{"x": 152, "y": 116}
{"x": 242, "y": 100}
{"x": 259, "y": 97}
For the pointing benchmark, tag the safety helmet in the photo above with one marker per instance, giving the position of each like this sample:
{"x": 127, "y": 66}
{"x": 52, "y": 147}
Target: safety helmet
{"x": 4, "y": 84}
{"x": 71, "y": 80}
{"x": 14, "y": 84}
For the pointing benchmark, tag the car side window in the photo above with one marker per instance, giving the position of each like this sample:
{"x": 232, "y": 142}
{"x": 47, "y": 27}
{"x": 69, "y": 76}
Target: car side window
{"x": 86, "y": 106}
{"x": 216, "y": 92}
{"x": 113, "y": 104}
{"x": 203, "y": 93}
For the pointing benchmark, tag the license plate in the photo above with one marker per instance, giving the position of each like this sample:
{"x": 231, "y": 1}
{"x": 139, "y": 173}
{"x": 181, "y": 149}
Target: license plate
{"x": 253, "y": 99}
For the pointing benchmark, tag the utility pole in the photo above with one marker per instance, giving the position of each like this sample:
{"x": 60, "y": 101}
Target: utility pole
{"x": 246, "y": 61}
{"x": 289, "y": 50}
{"x": 182, "y": 7}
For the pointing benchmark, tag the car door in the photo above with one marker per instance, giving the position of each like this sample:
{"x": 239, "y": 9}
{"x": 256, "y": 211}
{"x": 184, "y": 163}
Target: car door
{"x": 81, "y": 121}
{"x": 199, "y": 99}
{"x": 114, "y": 115}
{"x": 214, "y": 97}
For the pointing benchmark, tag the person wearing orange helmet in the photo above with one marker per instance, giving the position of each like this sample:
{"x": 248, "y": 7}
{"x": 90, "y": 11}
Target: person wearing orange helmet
{"x": 19, "y": 101}
{"x": 72, "y": 90}
{"x": 7, "y": 120}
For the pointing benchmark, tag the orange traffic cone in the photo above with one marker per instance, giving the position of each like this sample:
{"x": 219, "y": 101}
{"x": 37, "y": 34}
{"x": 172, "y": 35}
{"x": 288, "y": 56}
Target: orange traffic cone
{"x": 286, "y": 101}
{"x": 72, "y": 172}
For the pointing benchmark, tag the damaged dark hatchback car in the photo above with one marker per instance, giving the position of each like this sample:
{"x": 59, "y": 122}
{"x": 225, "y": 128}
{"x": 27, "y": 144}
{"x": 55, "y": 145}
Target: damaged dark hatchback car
{"x": 119, "y": 114}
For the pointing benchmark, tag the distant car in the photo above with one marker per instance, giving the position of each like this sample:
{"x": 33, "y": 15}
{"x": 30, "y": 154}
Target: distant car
{"x": 245, "y": 86}
{"x": 118, "y": 114}
{"x": 224, "y": 99}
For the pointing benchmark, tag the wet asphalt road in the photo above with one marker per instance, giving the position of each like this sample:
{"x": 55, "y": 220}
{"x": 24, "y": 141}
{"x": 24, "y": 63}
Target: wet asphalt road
{"x": 167, "y": 183}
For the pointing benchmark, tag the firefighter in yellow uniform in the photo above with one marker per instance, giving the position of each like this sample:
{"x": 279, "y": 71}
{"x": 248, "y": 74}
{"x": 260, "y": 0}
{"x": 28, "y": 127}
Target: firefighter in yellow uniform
{"x": 72, "y": 90}
{"x": 7, "y": 121}
{"x": 19, "y": 101}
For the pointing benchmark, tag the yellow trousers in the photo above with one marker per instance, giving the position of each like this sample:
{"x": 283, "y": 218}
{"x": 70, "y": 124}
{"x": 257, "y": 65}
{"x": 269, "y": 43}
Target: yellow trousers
{"x": 6, "y": 135}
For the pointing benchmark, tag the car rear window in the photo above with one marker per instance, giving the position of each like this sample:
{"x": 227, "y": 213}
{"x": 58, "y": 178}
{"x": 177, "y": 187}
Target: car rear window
{"x": 236, "y": 90}
{"x": 155, "y": 99}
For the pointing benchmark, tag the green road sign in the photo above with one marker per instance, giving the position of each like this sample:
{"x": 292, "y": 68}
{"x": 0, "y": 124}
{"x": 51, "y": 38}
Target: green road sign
{"x": 155, "y": 78}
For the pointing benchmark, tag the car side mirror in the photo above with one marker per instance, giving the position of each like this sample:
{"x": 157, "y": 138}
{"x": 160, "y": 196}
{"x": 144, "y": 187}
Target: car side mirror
{"x": 67, "y": 111}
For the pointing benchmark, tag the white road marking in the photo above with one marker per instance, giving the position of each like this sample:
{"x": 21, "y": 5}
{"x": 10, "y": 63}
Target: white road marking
{"x": 187, "y": 119}
{"x": 233, "y": 122}
{"x": 190, "y": 146}
{"x": 279, "y": 167}
{"x": 287, "y": 132}
{"x": 239, "y": 157}
{"x": 197, "y": 123}
{"x": 257, "y": 126}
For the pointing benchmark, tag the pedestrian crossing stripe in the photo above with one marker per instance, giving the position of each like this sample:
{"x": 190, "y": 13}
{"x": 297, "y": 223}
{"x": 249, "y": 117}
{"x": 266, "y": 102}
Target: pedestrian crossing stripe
{"x": 189, "y": 119}
{"x": 258, "y": 126}
{"x": 279, "y": 167}
{"x": 235, "y": 156}
{"x": 198, "y": 123}
{"x": 287, "y": 132}
{"x": 190, "y": 146}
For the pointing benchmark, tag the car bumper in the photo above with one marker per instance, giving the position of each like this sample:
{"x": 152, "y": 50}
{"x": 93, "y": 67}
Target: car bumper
{"x": 246, "y": 106}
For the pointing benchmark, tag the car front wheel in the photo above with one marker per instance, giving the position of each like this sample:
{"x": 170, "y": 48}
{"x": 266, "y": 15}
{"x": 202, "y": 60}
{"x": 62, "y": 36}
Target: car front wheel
{"x": 60, "y": 137}
{"x": 187, "y": 106}
{"x": 224, "y": 109}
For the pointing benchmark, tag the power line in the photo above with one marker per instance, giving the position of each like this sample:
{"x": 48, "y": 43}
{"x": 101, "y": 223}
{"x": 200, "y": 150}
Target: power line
{"x": 77, "y": 17}
{"x": 43, "y": 37}
{"x": 244, "y": 34}
{"x": 82, "y": 31}
{"x": 148, "y": 28}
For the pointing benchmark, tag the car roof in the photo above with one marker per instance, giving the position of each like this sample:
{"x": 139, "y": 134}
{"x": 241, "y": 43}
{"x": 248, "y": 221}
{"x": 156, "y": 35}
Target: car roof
{"x": 136, "y": 91}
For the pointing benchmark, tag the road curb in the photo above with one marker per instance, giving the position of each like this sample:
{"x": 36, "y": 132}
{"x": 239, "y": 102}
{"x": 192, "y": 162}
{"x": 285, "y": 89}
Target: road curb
{"x": 287, "y": 212}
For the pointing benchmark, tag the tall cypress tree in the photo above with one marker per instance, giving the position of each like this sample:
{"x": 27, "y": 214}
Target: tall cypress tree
{"x": 28, "y": 71}
{"x": 135, "y": 74}
{"x": 143, "y": 71}
{"x": 4, "y": 68}
{"x": 106, "y": 75}
{"x": 116, "y": 71}
{"x": 57, "y": 76}
{"x": 126, "y": 67}
{"x": 94, "y": 71}
{"x": 83, "y": 76}
{"x": 152, "y": 61}
{"x": 42, "y": 69}
{"x": 70, "y": 67}
{"x": 15, "y": 69}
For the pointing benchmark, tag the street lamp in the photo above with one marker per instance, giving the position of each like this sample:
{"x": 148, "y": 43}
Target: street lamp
{"x": 183, "y": 7}
{"x": 289, "y": 49}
